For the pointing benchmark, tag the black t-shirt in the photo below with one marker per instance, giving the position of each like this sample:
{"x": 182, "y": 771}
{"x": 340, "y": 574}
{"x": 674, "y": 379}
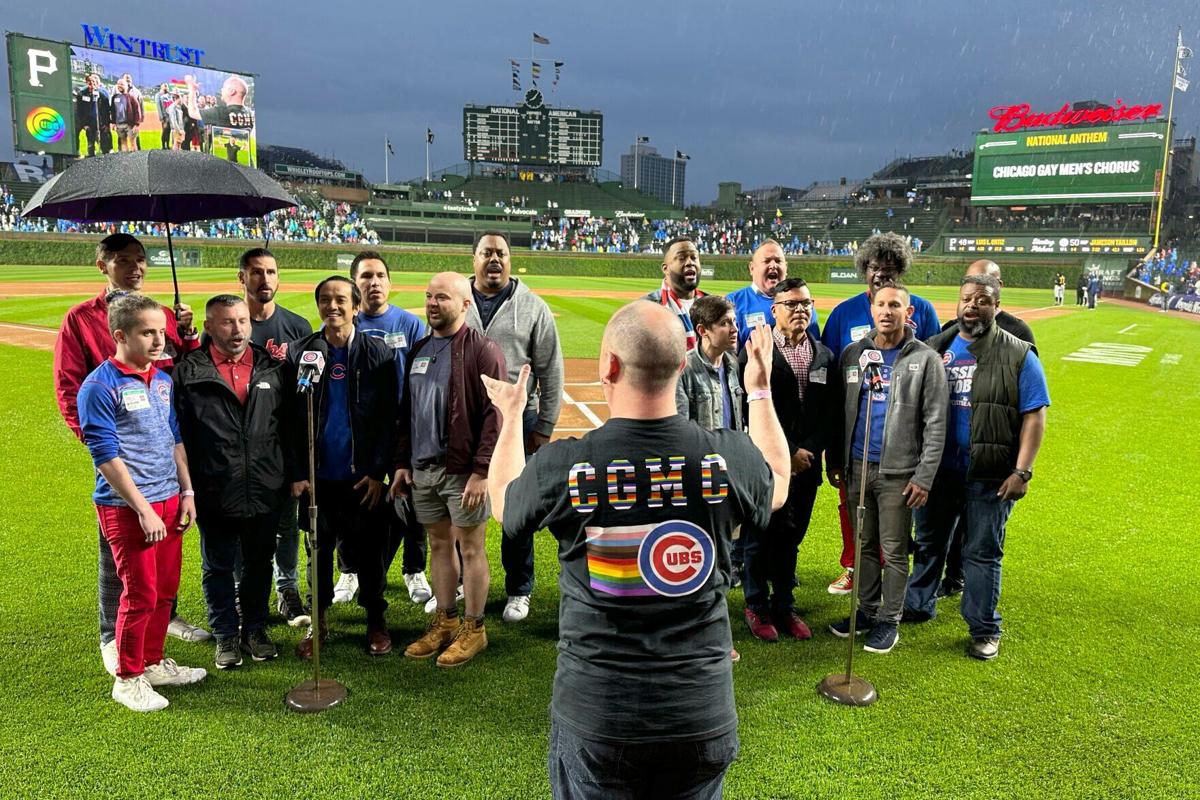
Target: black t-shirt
{"x": 488, "y": 306}
{"x": 227, "y": 116}
{"x": 643, "y": 511}
{"x": 275, "y": 333}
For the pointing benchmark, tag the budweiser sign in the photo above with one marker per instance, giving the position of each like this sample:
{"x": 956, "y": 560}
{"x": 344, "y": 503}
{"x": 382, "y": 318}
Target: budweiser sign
{"x": 1019, "y": 117}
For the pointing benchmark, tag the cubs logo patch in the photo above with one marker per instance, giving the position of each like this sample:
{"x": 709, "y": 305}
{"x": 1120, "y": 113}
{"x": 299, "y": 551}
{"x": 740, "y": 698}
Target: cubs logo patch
{"x": 676, "y": 558}
{"x": 671, "y": 559}
{"x": 164, "y": 393}
{"x": 947, "y": 357}
{"x": 337, "y": 372}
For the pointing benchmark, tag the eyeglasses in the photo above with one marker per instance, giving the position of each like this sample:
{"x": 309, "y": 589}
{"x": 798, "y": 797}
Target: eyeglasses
{"x": 791, "y": 305}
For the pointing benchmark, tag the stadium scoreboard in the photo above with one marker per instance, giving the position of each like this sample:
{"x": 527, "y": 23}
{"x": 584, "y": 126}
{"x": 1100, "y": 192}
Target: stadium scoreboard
{"x": 1102, "y": 164}
{"x": 534, "y": 134}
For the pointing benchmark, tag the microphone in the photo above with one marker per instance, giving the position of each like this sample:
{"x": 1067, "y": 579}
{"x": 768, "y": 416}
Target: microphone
{"x": 870, "y": 363}
{"x": 312, "y": 366}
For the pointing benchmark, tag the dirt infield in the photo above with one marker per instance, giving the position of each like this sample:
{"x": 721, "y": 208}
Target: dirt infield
{"x": 32, "y": 336}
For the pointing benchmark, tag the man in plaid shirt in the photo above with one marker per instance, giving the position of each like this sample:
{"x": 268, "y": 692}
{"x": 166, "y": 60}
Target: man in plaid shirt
{"x": 802, "y": 372}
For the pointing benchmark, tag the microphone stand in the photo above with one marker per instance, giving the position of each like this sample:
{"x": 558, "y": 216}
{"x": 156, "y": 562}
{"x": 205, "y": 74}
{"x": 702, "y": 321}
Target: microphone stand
{"x": 318, "y": 694}
{"x": 846, "y": 688}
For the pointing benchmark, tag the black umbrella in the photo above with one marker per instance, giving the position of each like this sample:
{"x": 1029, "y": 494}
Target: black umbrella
{"x": 171, "y": 186}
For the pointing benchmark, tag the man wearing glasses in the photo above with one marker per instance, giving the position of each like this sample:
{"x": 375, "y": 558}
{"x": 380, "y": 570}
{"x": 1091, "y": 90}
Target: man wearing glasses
{"x": 882, "y": 258}
{"x": 801, "y": 370}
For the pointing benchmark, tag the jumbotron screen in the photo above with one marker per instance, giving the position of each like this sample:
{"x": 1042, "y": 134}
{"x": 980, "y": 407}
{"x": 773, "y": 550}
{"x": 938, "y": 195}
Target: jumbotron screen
{"x": 1105, "y": 164}
{"x": 533, "y": 133}
{"x": 81, "y": 101}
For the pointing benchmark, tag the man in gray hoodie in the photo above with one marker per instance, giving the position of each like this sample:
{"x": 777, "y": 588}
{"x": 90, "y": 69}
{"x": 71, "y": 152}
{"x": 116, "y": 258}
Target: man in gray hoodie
{"x": 902, "y": 447}
{"x": 508, "y": 313}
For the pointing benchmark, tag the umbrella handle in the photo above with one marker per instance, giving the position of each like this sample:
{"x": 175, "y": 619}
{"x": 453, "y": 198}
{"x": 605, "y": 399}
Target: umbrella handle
{"x": 171, "y": 252}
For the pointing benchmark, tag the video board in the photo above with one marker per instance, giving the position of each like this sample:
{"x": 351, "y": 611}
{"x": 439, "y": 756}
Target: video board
{"x": 1103, "y": 164}
{"x": 72, "y": 100}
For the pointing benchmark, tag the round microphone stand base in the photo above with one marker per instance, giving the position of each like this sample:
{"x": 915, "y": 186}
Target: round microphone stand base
{"x": 312, "y": 697}
{"x": 847, "y": 690}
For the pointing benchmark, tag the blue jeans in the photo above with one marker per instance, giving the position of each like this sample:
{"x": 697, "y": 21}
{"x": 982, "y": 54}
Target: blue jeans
{"x": 983, "y": 517}
{"x": 516, "y": 554}
{"x": 287, "y": 548}
{"x": 583, "y": 769}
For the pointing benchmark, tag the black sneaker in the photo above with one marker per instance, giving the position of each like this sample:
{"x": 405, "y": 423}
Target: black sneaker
{"x": 883, "y": 638}
{"x": 862, "y": 625}
{"x": 292, "y": 609}
{"x": 912, "y": 615}
{"x": 950, "y": 587}
{"x": 229, "y": 654}
{"x": 258, "y": 646}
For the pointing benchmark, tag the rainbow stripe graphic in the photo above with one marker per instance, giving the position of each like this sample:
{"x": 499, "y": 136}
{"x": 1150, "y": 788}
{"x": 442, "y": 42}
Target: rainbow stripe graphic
{"x": 45, "y": 124}
{"x": 612, "y": 560}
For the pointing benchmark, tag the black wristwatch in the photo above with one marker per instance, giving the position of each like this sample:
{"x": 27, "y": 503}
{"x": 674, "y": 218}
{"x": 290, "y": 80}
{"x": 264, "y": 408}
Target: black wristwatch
{"x": 1026, "y": 474}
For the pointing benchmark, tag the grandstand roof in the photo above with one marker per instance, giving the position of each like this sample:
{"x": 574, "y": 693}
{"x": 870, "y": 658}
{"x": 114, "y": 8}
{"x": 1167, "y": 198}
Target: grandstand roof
{"x": 296, "y": 156}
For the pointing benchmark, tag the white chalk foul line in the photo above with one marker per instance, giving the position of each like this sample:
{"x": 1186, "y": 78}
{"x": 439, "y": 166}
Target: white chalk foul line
{"x": 1128, "y": 329}
{"x": 587, "y": 412}
{"x": 27, "y": 328}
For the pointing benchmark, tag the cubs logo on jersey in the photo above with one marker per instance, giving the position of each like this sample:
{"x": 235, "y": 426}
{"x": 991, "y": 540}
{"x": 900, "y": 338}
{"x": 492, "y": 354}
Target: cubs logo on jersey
{"x": 668, "y": 559}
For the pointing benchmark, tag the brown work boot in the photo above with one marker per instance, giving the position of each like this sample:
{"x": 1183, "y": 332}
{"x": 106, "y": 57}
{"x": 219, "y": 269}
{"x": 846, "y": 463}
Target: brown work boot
{"x": 304, "y": 650}
{"x": 470, "y": 639}
{"x": 439, "y": 634}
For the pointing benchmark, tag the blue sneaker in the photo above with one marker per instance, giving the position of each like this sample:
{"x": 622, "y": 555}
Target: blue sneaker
{"x": 883, "y": 638}
{"x": 842, "y": 629}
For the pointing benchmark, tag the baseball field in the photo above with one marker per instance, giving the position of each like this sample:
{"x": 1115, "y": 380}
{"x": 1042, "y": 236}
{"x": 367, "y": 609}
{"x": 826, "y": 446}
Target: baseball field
{"x": 1093, "y": 694}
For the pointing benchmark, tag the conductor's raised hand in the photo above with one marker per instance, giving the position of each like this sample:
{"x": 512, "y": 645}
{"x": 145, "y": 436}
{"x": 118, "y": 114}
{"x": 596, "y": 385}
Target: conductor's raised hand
{"x": 508, "y": 398}
{"x": 760, "y": 350}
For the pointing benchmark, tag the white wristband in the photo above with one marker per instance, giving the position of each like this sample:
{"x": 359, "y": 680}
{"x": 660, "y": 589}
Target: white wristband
{"x": 187, "y": 493}
{"x": 761, "y": 394}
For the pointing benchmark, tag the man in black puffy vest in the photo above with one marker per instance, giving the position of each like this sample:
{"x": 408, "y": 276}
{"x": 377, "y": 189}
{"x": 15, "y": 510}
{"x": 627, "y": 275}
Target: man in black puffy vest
{"x": 998, "y": 401}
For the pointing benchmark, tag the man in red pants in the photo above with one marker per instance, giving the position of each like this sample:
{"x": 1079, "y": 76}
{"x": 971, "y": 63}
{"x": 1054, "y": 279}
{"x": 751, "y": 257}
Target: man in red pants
{"x": 143, "y": 495}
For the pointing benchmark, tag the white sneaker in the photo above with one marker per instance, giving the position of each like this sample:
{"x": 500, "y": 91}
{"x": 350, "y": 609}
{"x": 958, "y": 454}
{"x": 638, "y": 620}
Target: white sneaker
{"x": 180, "y": 628}
{"x": 418, "y": 587}
{"x": 516, "y": 609}
{"x": 431, "y": 603}
{"x": 137, "y": 694}
{"x": 108, "y": 654}
{"x": 346, "y": 587}
{"x": 168, "y": 673}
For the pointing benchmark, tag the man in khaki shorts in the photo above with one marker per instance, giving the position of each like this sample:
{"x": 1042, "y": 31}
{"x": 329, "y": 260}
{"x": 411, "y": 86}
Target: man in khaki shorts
{"x": 448, "y": 429}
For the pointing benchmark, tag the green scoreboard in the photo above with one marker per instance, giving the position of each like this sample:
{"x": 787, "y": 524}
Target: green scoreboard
{"x": 39, "y": 78}
{"x": 533, "y": 133}
{"x": 1102, "y": 164}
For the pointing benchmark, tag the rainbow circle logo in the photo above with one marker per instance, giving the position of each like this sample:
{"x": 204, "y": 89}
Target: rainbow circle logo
{"x": 45, "y": 124}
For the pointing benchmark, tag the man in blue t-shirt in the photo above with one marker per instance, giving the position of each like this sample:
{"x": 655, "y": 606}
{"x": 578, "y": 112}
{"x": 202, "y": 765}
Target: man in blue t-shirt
{"x": 882, "y": 258}
{"x": 752, "y": 304}
{"x": 399, "y": 330}
{"x": 998, "y": 401}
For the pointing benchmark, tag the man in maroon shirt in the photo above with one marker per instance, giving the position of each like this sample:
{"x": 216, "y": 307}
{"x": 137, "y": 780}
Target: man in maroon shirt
{"x": 84, "y": 342}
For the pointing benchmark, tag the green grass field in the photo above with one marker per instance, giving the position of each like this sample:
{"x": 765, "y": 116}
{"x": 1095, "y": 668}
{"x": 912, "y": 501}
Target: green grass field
{"x": 1092, "y": 695}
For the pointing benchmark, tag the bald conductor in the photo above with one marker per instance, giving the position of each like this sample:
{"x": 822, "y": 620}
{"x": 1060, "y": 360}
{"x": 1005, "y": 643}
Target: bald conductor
{"x": 643, "y": 509}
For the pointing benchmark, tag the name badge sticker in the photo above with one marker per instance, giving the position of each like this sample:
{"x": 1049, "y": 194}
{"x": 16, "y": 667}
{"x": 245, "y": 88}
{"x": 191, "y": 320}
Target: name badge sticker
{"x": 755, "y": 319}
{"x": 852, "y": 375}
{"x": 858, "y": 331}
{"x": 421, "y": 365}
{"x": 396, "y": 341}
{"x": 134, "y": 398}
{"x": 817, "y": 375}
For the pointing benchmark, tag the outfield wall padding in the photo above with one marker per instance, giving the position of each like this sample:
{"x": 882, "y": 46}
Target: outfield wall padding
{"x": 57, "y": 250}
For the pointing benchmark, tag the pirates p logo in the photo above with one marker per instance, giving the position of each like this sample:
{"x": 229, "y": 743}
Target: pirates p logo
{"x": 676, "y": 558}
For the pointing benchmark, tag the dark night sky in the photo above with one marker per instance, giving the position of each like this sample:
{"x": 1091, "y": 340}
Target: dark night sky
{"x": 762, "y": 93}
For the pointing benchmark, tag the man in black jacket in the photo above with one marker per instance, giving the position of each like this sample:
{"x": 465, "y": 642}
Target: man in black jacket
{"x": 800, "y": 373}
{"x": 232, "y": 402}
{"x": 355, "y": 404}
